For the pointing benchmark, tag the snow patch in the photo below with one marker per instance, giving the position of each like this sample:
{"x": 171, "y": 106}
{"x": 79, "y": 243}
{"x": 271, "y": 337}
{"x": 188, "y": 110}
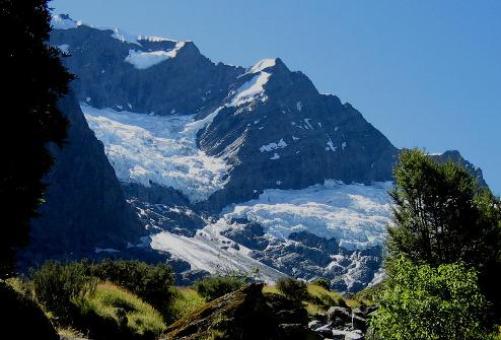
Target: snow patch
{"x": 330, "y": 146}
{"x": 147, "y": 149}
{"x": 273, "y": 146}
{"x": 153, "y": 38}
{"x": 275, "y": 156}
{"x": 262, "y": 65}
{"x": 143, "y": 60}
{"x": 64, "y": 22}
{"x": 299, "y": 106}
{"x": 251, "y": 90}
{"x": 65, "y": 48}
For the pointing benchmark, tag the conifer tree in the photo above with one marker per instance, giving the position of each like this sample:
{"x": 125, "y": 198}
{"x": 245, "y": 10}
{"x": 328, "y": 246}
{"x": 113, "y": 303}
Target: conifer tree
{"x": 443, "y": 216}
{"x": 33, "y": 80}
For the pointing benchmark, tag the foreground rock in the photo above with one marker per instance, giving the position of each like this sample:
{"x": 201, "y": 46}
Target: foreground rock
{"x": 245, "y": 314}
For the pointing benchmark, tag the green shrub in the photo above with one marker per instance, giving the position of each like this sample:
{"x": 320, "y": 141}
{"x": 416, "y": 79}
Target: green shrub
{"x": 322, "y": 283}
{"x": 422, "y": 302}
{"x": 150, "y": 282}
{"x": 58, "y": 287}
{"x": 294, "y": 290}
{"x": 213, "y": 287}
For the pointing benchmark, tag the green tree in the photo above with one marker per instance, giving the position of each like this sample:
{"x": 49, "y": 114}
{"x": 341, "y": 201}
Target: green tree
{"x": 423, "y": 302}
{"x": 34, "y": 80}
{"x": 442, "y": 215}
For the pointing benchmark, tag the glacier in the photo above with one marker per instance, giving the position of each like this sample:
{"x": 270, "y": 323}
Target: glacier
{"x": 356, "y": 215}
{"x": 148, "y": 149}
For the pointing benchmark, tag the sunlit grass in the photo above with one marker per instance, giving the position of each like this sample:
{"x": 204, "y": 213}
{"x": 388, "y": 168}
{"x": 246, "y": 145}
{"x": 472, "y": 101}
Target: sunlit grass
{"x": 185, "y": 300}
{"x": 109, "y": 301}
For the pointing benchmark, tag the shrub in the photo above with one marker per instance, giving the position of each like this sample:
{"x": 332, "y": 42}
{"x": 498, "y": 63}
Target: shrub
{"x": 322, "y": 283}
{"x": 422, "y": 302}
{"x": 293, "y": 289}
{"x": 213, "y": 287}
{"x": 151, "y": 282}
{"x": 58, "y": 287}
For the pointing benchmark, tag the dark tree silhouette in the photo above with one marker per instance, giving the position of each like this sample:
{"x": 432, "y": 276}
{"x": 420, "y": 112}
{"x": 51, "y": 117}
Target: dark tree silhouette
{"x": 33, "y": 80}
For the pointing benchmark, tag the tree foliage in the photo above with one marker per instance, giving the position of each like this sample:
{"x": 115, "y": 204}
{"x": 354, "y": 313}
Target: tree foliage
{"x": 442, "y": 215}
{"x": 423, "y": 302}
{"x": 35, "y": 79}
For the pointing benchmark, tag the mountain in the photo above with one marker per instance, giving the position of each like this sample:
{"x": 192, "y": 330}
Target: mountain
{"x": 85, "y": 206}
{"x": 231, "y": 168}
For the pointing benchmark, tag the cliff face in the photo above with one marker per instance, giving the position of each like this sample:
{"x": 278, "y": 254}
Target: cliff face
{"x": 85, "y": 206}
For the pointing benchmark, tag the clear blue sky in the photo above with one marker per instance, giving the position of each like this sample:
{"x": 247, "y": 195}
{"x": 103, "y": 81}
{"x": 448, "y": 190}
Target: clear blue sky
{"x": 427, "y": 73}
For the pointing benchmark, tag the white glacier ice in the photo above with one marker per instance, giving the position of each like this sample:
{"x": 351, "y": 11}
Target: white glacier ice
{"x": 210, "y": 251}
{"x": 356, "y": 215}
{"x": 161, "y": 149}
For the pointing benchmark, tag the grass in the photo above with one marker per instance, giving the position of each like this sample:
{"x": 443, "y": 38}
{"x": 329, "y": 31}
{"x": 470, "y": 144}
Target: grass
{"x": 114, "y": 303}
{"x": 271, "y": 290}
{"x": 21, "y": 286}
{"x": 185, "y": 300}
{"x": 70, "y": 333}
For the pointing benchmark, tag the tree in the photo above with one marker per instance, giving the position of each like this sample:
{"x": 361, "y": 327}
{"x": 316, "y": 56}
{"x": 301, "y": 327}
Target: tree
{"x": 423, "y": 302}
{"x": 34, "y": 80}
{"x": 442, "y": 215}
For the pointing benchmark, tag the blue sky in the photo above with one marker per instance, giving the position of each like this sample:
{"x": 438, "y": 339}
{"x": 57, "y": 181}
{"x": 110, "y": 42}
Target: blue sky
{"x": 426, "y": 73}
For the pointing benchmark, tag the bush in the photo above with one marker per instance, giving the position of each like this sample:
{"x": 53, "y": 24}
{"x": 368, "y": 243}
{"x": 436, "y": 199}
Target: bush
{"x": 213, "y": 287}
{"x": 294, "y": 290}
{"x": 59, "y": 287}
{"x": 422, "y": 302}
{"x": 151, "y": 282}
{"x": 322, "y": 283}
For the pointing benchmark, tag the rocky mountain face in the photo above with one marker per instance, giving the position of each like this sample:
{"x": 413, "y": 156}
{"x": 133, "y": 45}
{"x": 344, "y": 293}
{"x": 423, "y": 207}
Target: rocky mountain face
{"x": 228, "y": 169}
{"x": 85, "y": 206}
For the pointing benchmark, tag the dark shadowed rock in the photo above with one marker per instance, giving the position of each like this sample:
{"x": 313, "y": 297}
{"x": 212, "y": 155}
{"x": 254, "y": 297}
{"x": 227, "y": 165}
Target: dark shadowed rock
{"x": 85, "y": 206}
